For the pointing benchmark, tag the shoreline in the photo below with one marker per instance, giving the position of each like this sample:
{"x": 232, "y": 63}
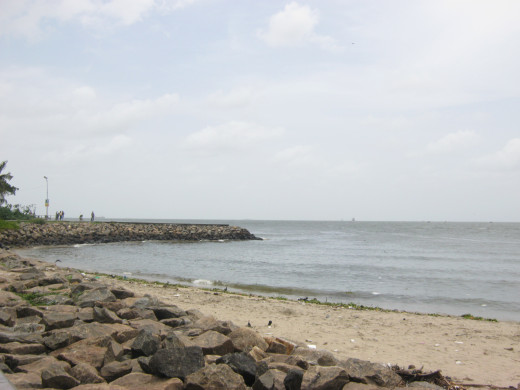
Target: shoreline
{"x": 471, "y": 352}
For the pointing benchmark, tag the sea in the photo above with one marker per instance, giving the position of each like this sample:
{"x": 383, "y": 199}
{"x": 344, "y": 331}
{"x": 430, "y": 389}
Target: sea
{"x": 449, "y": 268}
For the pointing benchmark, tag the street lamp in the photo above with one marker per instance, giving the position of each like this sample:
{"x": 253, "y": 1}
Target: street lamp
{"x": 47, "y": 199}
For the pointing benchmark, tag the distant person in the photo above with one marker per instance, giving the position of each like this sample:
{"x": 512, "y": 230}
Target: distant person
{"x": 92, "y": 216}
{"x": 57, "y": 216}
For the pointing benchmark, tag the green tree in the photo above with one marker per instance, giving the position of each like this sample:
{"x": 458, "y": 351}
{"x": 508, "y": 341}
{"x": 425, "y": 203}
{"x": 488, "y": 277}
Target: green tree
{"x": 5, "y": 187}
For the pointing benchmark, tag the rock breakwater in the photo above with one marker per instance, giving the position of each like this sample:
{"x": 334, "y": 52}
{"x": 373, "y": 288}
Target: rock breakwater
{"x": 61, "y": 329}
{"x": 68, "y": 233}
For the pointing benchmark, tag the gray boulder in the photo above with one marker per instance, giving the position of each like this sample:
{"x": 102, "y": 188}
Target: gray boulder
{"x": 58, "y": 320}
{"x": 270, "y": 380}
{"x": 177, "y": 362}
{"x": 242, "y": 364}
{"x": 115, "y": 370}
{"x": 56, "y": 377}
{"x": 293, "y": 379}
{"x": 164, "y": 312}
{"x": 104, "y": 315}
{"x": 85, "y": 373}
{"x": 139, "y": 381}
{"x": 324, "y": 378}
{"x": 214, "y": 343}
{"x": 244, "y": 339}
{"x": 146, "y": 343}
{"x": 371, "y": 373}
{"x": 90, "y": 297}
{"x": 214, "y": 376}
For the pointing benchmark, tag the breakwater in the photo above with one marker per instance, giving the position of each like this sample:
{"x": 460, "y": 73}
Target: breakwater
{"x": 69, "y": 233}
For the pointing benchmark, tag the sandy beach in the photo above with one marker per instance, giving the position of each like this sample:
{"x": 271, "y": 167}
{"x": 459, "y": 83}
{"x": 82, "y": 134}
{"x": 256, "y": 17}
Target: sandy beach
{"x": 469, "y": 351}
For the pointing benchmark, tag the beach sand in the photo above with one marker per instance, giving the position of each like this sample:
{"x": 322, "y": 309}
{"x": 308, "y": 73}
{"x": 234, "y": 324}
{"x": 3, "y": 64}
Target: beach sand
{"x": 468, "y": 351}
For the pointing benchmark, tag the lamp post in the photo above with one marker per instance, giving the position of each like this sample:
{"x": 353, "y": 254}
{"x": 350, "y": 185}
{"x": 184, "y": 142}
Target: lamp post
{"x": 47, "y": 199}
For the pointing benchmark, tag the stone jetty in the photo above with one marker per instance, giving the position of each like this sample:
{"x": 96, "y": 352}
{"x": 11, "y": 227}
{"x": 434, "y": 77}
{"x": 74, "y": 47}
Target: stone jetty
{"x": 68, "y": 233}
{"x": 61, "y": 329}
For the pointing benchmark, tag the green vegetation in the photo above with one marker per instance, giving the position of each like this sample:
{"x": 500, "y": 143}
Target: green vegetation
{"x": 9, "y": 225}
{"x": 472, "y": 317}
{"x": 12, "y": 212}
{"x": 35, "y": 299}
{"x": 5, "y": 187}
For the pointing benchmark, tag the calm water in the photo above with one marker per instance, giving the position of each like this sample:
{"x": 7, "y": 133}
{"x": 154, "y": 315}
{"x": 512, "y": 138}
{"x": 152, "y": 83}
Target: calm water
{"x": 450, "y": 268}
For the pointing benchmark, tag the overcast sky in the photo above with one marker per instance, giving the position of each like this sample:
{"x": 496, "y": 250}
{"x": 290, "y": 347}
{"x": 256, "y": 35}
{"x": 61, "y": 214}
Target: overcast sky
{"x": 218, "y": 109}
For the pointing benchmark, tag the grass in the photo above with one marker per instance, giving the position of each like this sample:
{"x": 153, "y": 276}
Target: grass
{"x": 35, "y": 298}
{"x": 472, "y": 317}
{"x": 9, "y": 225}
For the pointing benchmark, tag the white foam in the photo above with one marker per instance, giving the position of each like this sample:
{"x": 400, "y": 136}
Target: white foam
{"x": 203, "y": 282}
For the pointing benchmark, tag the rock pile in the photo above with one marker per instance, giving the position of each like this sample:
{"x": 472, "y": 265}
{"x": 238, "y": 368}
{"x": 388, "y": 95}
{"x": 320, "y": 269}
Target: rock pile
{"x": 67, "y": 233}
{"x": 60, "y": 330}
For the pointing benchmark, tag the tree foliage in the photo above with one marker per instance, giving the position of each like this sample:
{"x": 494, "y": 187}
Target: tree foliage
{"x": 5, "y": 187}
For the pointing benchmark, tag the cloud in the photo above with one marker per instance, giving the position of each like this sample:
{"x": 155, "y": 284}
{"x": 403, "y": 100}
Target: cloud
{"x": 36, "y": 105}
{"x": 294, "y": 26}
{"x": 27, "y": 18}
{"x": 233, "y": 135}
{"x": 453, "y": 142}
{"x": 298, "y": 155}
{"x": 91, "y": 149}
{"x": 508, "y": 158}
{"x": 236, "y": 98}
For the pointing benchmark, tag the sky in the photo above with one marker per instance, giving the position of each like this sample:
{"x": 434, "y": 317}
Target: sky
{"x": 404, "y": 110}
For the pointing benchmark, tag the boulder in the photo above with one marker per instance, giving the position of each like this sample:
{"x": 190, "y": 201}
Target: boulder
{"x": 316, "y": 357}
{"x": 146, "y": 343}
{"x": 28, "y": 311}
{"x": 324, "y": 378}
{"x": 270, "y": 380}
{"x": 244, "y": 339}
{"x": 52, "y": 279}
{"x": 242, "y": 364}
{"x": 214, "y": 343}
{"x": 257, "y": 354}
{"x": 115, "y": 351}
{"x": 176, "y": 322}
{"x": 58, "y": 320}
{"x": 90, "y": 297}
{"x": 90, "y": 351}
{"x": 17, "y": 348}
{"x": 13, "y": 361}
{"x": 139, "y": 381}
{"x": 56, "y": 377}
{"x": 22, "y": 380}
{"x": 293, "y": 379}
{"x": 114, "y": 370}
{"x": 104, "y": 315}
{"x": 210, "y": 323}
{"x": 121, "y": 293}
{"x": 7, "y": 318}
{"x": 214, "y": 376}
{"x": 9, "y": 299}
{"x": 85, "y": 373}
{"x": 371, "y": 373}
{"x": 164, "y": 312}
{"x": 177, "y": 362}
{"x": 290, "y": 360}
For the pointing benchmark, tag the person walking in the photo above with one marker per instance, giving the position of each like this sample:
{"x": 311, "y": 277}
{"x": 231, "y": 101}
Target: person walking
{"x": 92, "y": 216}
